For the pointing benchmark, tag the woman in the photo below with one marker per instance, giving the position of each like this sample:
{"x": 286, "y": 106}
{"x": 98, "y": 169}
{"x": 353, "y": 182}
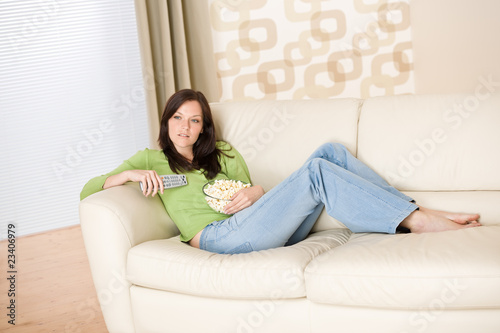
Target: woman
{"x": 254, "y": 220}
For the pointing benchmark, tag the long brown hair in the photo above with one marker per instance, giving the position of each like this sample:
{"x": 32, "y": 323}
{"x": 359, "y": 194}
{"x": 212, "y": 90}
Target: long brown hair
{"x": 206, "y": 154}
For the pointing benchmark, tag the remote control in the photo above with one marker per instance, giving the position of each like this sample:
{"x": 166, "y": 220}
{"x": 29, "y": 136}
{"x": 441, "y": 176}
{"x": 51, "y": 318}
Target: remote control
{"x": 171, "y": 181}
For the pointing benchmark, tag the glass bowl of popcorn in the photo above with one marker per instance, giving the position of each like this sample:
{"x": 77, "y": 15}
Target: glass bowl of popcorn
{"x": 219, "y": 192}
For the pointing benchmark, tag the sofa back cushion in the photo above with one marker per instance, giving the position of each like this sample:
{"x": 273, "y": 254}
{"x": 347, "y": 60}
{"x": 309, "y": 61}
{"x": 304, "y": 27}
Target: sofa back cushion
{"x": 276, "y": 137}
{"x": 433, "y": 142}
{"x": 442, "y": 150}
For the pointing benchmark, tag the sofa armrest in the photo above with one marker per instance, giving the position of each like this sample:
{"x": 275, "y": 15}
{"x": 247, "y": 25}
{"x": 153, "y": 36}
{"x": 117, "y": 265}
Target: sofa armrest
{"x": 112, "y": 222}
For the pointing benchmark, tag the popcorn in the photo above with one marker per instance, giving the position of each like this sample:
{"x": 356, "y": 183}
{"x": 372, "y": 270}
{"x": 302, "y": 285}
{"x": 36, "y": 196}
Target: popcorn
{"x": 218, "y": 192}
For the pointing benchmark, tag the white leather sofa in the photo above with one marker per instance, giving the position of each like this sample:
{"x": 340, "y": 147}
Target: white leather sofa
{"x": 441, "y": 150}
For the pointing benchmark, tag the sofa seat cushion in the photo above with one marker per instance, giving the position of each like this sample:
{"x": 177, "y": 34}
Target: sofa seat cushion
{"x": 174, "y": 266}
{"x": 437, "y": 271}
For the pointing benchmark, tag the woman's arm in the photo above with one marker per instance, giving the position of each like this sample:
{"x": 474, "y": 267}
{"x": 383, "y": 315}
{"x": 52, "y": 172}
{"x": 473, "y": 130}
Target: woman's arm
{"x": 136, "y": 169}
{"x": 149, "y": 178}
{"x": 236, "y": 168}
{"x": 243, "y": 199}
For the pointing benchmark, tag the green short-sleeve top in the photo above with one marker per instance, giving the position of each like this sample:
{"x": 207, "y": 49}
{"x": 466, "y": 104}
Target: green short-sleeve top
{"x": 186, "y": 205}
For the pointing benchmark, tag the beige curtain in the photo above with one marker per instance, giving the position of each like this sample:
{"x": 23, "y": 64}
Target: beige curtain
{"x": 176, "y": 50}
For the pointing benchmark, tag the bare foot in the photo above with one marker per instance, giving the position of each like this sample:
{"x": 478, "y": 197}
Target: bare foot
{"x": 429, "y": 220}
{"x": 460, "y": 218}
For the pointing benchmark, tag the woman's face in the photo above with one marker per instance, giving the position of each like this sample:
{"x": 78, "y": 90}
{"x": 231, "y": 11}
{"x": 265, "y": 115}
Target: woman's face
{"x": 185, "y": 126}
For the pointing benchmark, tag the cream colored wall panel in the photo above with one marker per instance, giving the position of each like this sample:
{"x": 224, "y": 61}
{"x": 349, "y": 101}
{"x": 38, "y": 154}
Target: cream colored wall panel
{"x": 455, "y": 43}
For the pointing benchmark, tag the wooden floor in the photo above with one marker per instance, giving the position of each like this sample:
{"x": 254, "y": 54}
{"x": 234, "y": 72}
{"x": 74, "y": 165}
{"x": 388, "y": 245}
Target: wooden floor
{"x": 54, "y": 288}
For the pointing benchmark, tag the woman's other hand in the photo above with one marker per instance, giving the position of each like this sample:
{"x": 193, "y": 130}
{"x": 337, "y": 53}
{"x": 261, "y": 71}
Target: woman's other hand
{"x": 244, "y": 198}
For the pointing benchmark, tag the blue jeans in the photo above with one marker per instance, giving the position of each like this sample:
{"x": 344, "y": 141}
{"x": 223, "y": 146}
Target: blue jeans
{"x": 332, "y": 178}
